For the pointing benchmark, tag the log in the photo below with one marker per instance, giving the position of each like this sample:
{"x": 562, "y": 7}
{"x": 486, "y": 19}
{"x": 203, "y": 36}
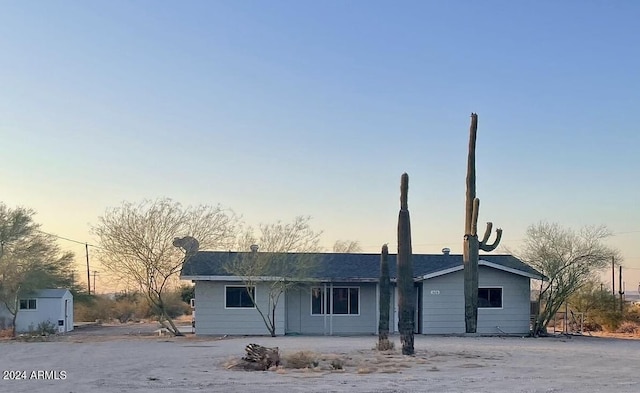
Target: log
{"x": 262, "y": 358}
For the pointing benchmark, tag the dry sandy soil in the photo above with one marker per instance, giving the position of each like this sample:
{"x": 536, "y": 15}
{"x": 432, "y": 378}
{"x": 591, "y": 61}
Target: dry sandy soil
{"x": 129, "y": 358}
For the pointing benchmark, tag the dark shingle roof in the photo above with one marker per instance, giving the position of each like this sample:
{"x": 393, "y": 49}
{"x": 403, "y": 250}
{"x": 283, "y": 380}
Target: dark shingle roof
{"x": 340, "y": 266}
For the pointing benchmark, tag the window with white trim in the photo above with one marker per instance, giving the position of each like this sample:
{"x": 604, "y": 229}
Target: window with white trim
{"x": 239, "y": 296}
{"x": 346, "y": 301}
{"x": 489, "y": 297}
{"x": 28, "y": 304}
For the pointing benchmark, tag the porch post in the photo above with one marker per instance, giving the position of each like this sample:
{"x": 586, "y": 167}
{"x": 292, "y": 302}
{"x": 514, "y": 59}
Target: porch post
{"x": 377, "y": 321}
{"x": 324, "y": 307}
{"x": 331, "y": 304}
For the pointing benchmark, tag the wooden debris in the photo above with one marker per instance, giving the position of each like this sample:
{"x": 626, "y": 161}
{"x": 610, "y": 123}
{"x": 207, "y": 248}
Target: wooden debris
{"x": 260, "y": 358}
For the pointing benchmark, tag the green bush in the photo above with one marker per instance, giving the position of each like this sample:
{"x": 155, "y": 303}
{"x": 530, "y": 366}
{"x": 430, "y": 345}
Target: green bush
{"x": 44, "y": 328}
{"x": 610, "y": 320}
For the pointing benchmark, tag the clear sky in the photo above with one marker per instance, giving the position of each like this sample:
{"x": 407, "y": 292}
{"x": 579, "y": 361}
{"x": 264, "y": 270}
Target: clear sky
{"x": 285, "y": 108}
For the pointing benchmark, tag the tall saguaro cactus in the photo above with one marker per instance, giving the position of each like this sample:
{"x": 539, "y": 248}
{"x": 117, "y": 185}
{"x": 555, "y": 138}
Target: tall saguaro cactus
{"x": 385, "y": 299}
{"x": 406, "y": 292}
{"x": 472, "y": 245}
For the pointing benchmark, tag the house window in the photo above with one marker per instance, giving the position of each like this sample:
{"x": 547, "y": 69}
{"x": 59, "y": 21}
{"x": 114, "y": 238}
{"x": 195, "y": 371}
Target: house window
{"x": 489, "y": 297}
{"x": 239, "y": 297}
{"x": 27, "y": 304}
{"x": 346, "y": 301}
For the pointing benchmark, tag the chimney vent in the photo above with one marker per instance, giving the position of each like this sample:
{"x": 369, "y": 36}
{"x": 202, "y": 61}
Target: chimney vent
{"x": 446, "y": 251}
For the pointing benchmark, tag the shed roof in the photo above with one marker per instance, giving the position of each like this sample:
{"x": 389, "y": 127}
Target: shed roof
{"x": 356, "y": 267}
{"x": 51, "y": 293}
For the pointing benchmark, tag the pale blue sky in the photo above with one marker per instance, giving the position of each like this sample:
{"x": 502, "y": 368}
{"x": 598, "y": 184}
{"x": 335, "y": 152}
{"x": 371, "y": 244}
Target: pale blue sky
{"x": 282, "y": 108}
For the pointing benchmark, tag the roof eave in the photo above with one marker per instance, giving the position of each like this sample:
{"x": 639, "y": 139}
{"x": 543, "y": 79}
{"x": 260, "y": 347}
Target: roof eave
{"x": 519, "y": 272}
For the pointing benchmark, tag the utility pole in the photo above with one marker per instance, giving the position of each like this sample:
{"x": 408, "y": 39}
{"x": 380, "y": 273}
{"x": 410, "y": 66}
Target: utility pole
{"x": 613, "y": 275}
{"x": 86, "y": 247}
{"x": 94, "y": 281}
{"x": 621, "y": 290}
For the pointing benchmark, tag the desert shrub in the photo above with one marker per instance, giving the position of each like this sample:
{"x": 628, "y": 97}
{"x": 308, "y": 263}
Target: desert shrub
{"x": 5, "y": 333}
{"x": 124, "y": 311}
{"x": 337, "y": 364}
{"x": 633, "y": 314}
{"x": 98, "y": 308}
{"x": 301, "y": 359}
{"x": 627, "y": 327}
{"x": 187, "y": 292}
{"x": 44, "y": 328}
{"x": 608, "y": 319}
{"x": 175, "y": 306}
{"x": 590, "y": 326}
{"x": 385, "y": 345}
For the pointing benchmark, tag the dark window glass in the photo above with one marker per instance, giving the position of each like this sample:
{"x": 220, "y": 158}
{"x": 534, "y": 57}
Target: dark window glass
{"x": 27, "y": 304}
{"x": 341, "y": 300}
{"x": 316, "y": 301}
{"x": 345, "y": 301}
{"x": 489, "y": 297}
{"x": 239, "y": 297}
{"x": 353, "y": 300}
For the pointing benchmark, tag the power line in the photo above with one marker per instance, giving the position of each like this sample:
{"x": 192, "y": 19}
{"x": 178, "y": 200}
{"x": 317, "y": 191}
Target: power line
{"x": 69, "y": 240}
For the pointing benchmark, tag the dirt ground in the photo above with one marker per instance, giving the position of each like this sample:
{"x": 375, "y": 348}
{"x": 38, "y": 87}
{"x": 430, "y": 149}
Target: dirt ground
{"x": 132, "y": 358}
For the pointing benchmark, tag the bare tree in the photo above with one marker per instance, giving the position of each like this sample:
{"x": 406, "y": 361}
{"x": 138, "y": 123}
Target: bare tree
{"x": 29, "y": 259}
{"x": 137, "y": 243}
{"x": 347, "y": 246}
{"x": 285, "y": 260}
{"x": 568, "y": 260}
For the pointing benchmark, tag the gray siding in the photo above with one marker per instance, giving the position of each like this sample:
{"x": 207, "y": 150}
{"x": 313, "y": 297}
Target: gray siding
{"x": 212, "y": 318}
{"x": 301, "y": 321}
{"x": 514, "y": 315}
{"x": 443, "y": 304}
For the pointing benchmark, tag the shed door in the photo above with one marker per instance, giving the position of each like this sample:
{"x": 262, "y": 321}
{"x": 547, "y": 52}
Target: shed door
{"x": 66, "y": 315}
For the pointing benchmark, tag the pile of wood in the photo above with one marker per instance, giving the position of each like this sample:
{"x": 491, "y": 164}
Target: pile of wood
{"x": 260, "y": 358}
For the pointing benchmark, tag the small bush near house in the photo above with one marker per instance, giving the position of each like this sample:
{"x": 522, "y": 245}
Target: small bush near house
{"x": 44, "y": 328}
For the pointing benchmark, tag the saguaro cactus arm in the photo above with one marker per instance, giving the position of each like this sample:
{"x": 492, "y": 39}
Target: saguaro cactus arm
{"x": 487, "y": 233}
{"x": 474, "y": 217}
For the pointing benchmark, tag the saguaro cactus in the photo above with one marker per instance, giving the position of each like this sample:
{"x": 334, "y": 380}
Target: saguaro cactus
{"x": 471, "y": 245}
{"x": 406, "y": 293}
{"x": 385, "y": 298}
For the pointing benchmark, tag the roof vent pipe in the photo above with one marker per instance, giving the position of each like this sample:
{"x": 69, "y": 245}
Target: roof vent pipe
{"x": 254, "y": 248}
{"x": 446, "y": 251}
